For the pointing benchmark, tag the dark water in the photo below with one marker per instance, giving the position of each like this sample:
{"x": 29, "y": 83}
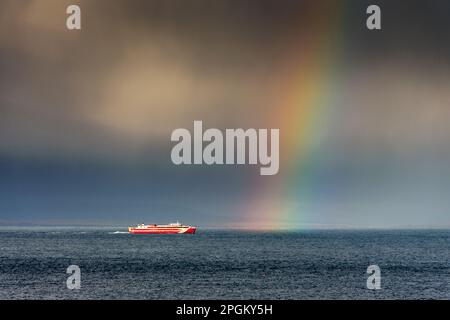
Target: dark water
{"x": 224, "y": 264}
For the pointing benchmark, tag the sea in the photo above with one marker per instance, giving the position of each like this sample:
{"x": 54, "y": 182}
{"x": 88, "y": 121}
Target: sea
{"x": 224, "y": 264}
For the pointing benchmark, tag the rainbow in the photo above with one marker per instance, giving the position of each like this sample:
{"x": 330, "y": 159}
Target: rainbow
{"x": 301, "y": 109}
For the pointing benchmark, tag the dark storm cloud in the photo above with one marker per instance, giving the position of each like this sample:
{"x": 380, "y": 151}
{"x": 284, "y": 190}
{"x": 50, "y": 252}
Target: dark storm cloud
{"x": 130, "y": 74}
{"x": 85, "y": 117}
{"x": 138, "y": 69}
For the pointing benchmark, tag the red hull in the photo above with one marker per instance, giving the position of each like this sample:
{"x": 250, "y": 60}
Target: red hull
{"x": 163, "y": 230}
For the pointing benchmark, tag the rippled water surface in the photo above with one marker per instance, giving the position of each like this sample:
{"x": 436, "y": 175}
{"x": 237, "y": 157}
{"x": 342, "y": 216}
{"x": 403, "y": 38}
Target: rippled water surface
{"x": 223, "y": 264}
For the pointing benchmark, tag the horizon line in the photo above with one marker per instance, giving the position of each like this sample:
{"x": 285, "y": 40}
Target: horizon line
{"x": 243, "y": 228}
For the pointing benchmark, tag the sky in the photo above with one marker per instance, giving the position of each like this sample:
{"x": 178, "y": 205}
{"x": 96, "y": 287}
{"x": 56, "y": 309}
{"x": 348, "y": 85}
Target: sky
{"x": 364, "y": 115}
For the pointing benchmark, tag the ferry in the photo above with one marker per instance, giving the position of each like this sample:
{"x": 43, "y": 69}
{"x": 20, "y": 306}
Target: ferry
{"x": 172, "y": 228}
